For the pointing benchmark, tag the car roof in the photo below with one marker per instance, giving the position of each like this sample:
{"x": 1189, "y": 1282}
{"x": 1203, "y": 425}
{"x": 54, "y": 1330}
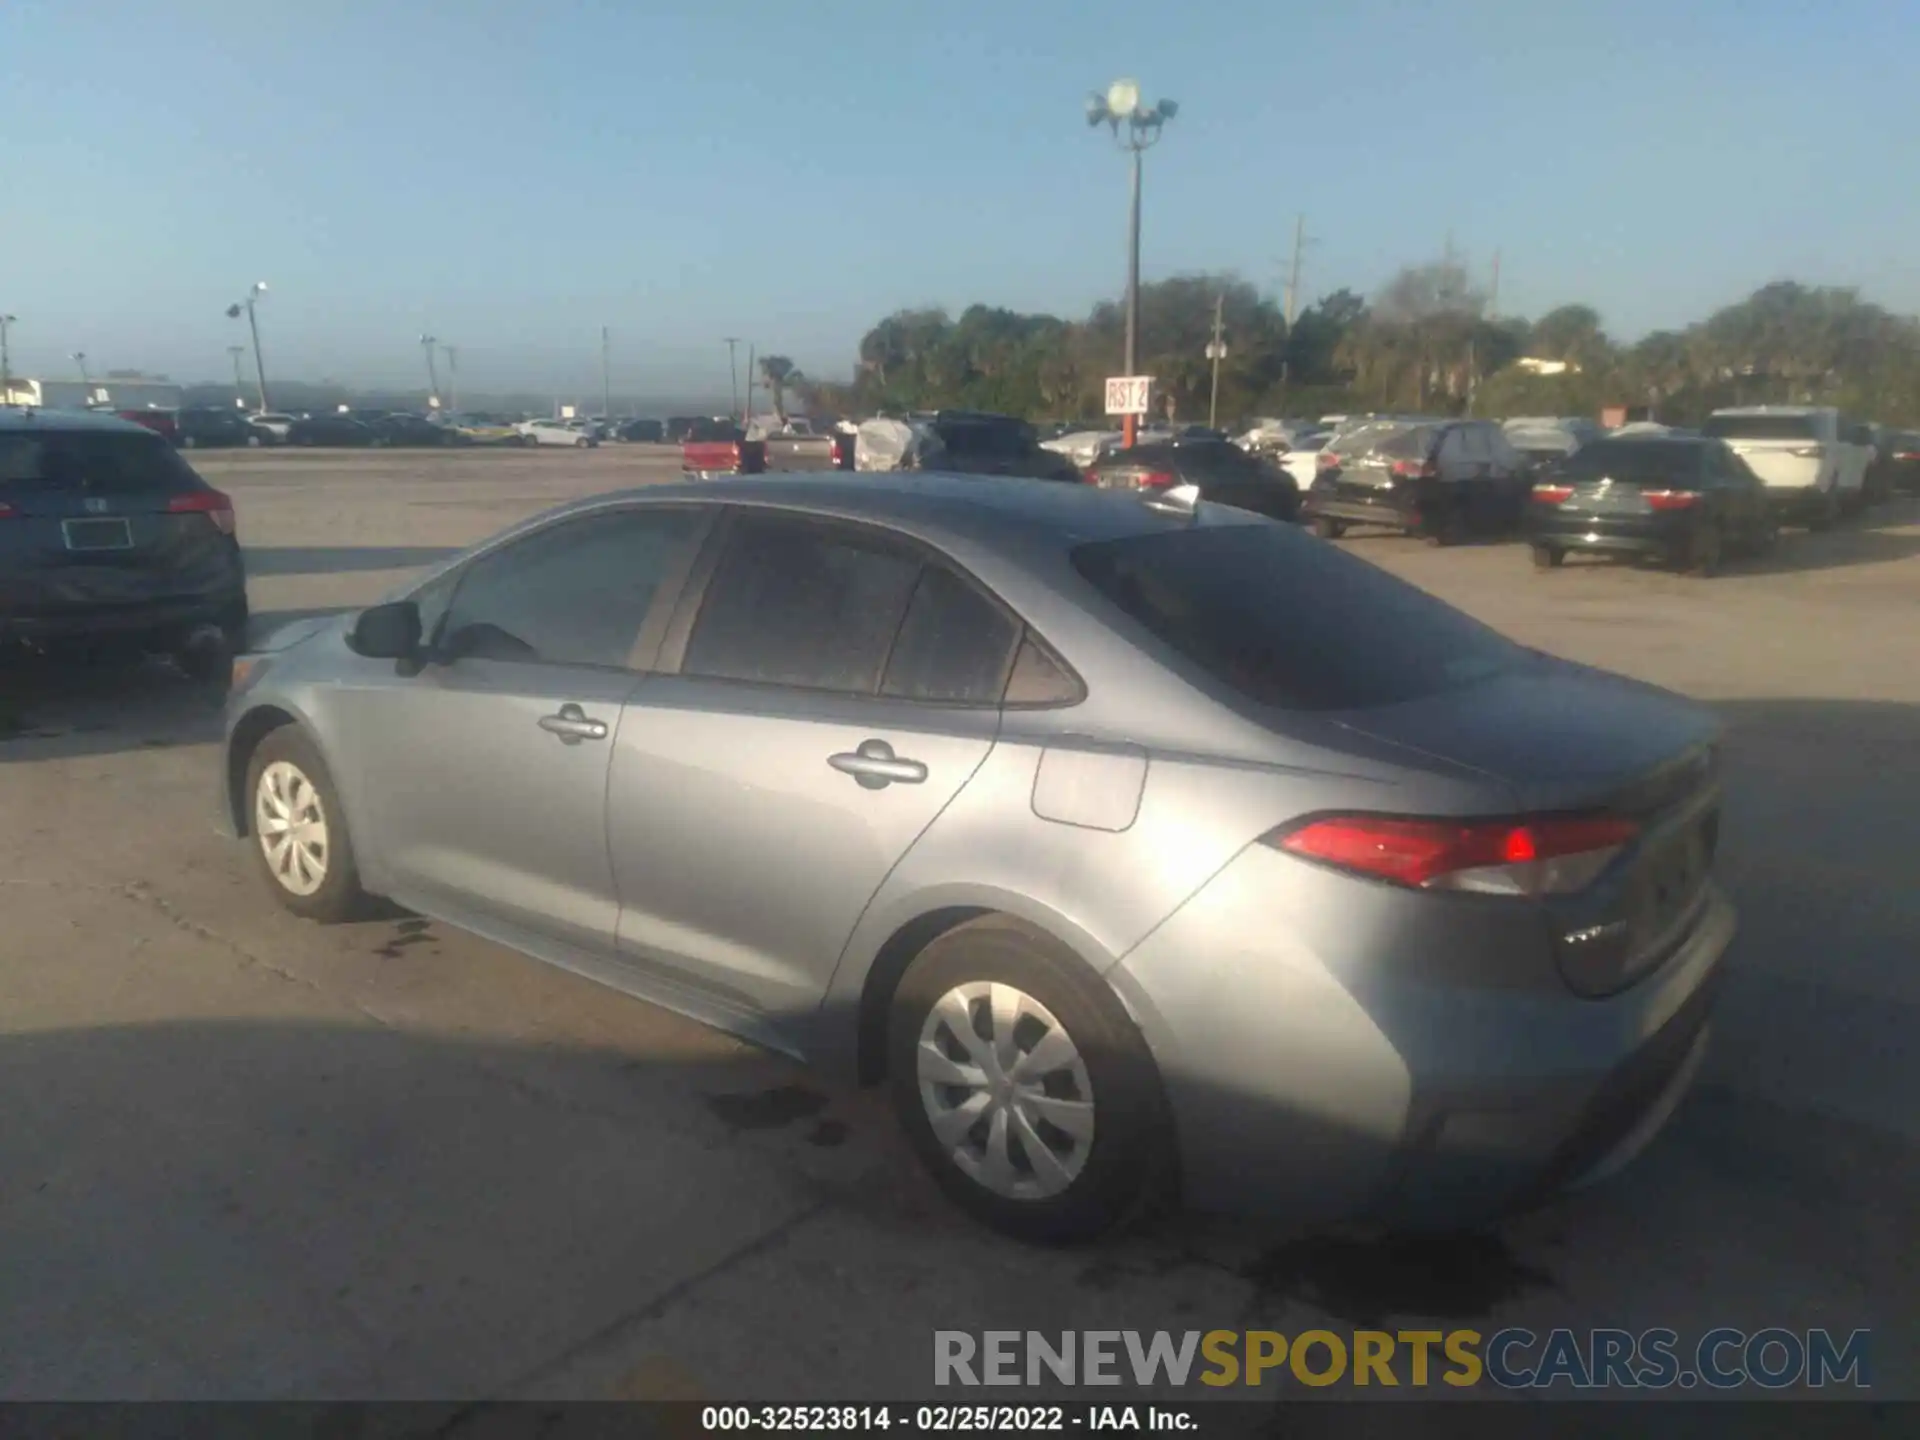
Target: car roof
{"x": 23, "y": 417}
{"x": 940, "y": 506}
{"x": 1775, "y": 410}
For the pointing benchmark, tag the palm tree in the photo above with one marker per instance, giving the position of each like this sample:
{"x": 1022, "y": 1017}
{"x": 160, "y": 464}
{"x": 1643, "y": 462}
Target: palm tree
{"x": 781, "y": 374}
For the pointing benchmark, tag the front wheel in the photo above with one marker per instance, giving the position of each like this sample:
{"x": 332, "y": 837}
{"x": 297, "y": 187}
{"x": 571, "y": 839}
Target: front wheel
{"x": 581, "y": 443}
{"x": 1548, "y": 557}
{"x": 187, "y": 442}
{"x": 1703, "y": 552}
{"x": 1327, "y": 528}
{"x": 300, "y": 840}
{"x": 1024, "y": 1086}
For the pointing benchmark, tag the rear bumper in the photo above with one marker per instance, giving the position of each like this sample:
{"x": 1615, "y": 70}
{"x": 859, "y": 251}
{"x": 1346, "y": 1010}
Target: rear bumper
{"x": 1397, "y": 511}
{"x": 148, "y": 619}
{"x": 1618, "y": 535}
{"x": 1799, "y": 501}
{"x": 1401, "y": 1072}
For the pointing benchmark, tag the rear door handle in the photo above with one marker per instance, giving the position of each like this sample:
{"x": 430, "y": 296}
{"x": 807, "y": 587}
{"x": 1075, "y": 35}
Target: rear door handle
{"x": 875, "y": 766}
{"x": 573, "y": 726}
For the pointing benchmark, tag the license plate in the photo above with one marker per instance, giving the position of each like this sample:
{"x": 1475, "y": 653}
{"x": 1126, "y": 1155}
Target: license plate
{"x": 97, "y": 534}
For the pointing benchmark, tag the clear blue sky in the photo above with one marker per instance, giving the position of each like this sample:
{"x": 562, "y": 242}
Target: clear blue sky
{"x": 512, "y": 175}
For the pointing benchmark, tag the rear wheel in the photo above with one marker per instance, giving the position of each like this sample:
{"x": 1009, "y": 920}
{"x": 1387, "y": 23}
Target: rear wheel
{"x": 581, "y": 443}
{"x": 1024, "y": 1086}
{"x": 300, "y": 839}
{"x": 1327, "y": 528}
{"x": 1822, "y": 515}
{"x": 187, "y": 442}
{"x": 1548, "y": 557}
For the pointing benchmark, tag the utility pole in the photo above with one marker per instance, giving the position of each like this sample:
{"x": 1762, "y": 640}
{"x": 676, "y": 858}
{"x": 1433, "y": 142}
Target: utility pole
{"x": 80, "y": 359}
{"x": 747, "y": 414}
{"x": 6, "y": 360}
{"x": 427, "y": 344}
{"x": 452, "y": 352}
{"x": 733, "y": 371}
{"x": 1216, "y": 352}
{"x": 1293, "y": 269}
{"x": 606, "y": 376}
{"x": 239, "y": 385}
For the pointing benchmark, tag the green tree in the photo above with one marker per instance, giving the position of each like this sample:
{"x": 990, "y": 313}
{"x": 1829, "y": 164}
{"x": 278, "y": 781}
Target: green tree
{"x": 781, "y": 374}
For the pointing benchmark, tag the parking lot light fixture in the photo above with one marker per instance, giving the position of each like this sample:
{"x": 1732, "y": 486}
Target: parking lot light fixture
{"x": 1135, "y": 128}
{"x": 254, "y": 292}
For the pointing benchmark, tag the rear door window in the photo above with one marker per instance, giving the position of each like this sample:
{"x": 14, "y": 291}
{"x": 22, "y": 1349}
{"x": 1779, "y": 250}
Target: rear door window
{"x": 1290, "y": 623}
{"x": 1762, "y": 427}
{"x": 799, "y": 603}
{"x": 955, "y": 646}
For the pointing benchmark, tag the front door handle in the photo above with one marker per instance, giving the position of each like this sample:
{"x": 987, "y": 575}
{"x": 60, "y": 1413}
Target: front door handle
{"x": 874, "y": 766}
{"x": 573, "y": 726}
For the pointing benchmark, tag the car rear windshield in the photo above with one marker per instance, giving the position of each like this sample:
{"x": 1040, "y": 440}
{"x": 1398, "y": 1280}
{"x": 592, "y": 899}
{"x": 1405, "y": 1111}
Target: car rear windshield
{"x": 1292, "y": 622}
{"x": 1761, "y": 427}
{"x": 984, "y": 437}
{"x": 712, "y": 432}
{"x": 100, "y": 463}
{"x": 1670, "y": 462}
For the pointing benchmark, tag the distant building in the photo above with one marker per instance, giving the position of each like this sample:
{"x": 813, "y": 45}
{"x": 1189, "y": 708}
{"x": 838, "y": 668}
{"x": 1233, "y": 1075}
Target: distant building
{"x": 113, "y": 393}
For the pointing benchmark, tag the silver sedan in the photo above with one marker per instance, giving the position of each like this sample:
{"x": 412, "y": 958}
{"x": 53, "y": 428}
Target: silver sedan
{"x": 1041, "y": 805}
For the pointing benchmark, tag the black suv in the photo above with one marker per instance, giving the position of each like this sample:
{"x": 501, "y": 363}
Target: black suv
{"x": 108, "y": 539}
{"x": 205, "y": 426}
{"x": 978, "y": 442}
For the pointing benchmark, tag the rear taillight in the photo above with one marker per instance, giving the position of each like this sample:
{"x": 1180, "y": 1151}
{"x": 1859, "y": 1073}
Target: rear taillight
{"x": 1670, "y": 499}
{"x": 1906, "y": 454}
{"x": 1157, "y": 480}
{"x": 211, "y": 503}
{"x": 1326, "y": 460}
{"x": 1546, "y": 855}
{"x": 1091, "y": 477}
{"x": 1416, "y": 469}
{"x": 6, "y": 510}
{"x": 1808, "y": 452}
{"x": 1553, "y": 494}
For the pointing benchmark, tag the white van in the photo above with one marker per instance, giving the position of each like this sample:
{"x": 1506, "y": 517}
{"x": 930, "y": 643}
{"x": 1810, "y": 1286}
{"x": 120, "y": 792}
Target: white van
{"x": 1811, "y": 459}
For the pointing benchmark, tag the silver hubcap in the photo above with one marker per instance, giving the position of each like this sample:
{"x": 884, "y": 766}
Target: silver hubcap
{"x": 1006, "y": 1090}
{"x": 292, "y": 827}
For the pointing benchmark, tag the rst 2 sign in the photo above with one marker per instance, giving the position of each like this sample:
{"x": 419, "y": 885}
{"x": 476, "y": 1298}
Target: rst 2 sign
{"x": 1129, "y": 394}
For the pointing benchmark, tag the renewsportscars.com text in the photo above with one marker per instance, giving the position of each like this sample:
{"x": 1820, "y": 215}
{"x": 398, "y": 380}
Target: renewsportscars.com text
{"x": 1513, "y": 1359}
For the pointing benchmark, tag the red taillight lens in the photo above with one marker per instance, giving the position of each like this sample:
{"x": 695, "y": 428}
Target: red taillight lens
{"x": 211, "y": 503}
{"x": 1670, "y": 499}
{"x": 1553, "y": 494}
{"x": 1906, "y": 454}
{"x": 1157, "y": 480}
{"x": 1416, "y": 469}
{"x": 6, "y": 510}
{"x": 1541, "y": 856}
{"x": 1092, "y": 477}
{"x": 1326, "y": 460}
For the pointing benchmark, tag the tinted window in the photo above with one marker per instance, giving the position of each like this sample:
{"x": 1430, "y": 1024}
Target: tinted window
{"x": 711, "y": 432}
{"x": 575, "y": 593}
{"x": 98, "y": 463}
{"x": 1669, "y": 462}
{"x": 955, "y": 644}
{"x": 974, "y": 437}
{"x": 1762, "y": 427}
{"x": 1292, "y": 622}
{"x": 795, "y": 603}
{"x": 1414, "y": 444}
{"x": 1039, "y": 679}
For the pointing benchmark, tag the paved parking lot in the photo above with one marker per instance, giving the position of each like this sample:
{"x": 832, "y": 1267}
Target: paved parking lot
{"x": 246, "y": 1156}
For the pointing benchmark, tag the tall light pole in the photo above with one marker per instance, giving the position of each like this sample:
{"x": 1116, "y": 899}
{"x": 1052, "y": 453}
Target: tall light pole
{"x": 236, "y": 351}
{"x": 1135, "y": 128}
{"x": 258, "y": 288}
{"x": 606, "y": 376}
{"x": 80, "y": 359}
{"x": 6, "y": 360}
{"x": 733, "y": 371}
{"x": 427, "y": 342}
{"x": 452, "y": 352}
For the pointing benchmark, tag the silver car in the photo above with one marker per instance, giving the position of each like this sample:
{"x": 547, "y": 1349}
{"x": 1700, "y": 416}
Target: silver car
{"x": 1040, "y": 804}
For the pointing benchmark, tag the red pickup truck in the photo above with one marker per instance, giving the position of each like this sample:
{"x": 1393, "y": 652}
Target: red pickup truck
{"x": 721, "y": 447}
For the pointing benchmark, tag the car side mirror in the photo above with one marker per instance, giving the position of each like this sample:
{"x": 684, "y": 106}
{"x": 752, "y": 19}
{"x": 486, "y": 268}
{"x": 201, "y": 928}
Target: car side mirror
{"x": 388, "y": 632}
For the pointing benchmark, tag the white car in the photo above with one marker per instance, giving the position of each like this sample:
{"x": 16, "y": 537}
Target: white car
{"x": 274, "y": 423}
{"x": 1812, "y": 460}
{"x": 555, "y": 432}
{"x": 1082, "y": 447}
{"x": 1302, "y": 458}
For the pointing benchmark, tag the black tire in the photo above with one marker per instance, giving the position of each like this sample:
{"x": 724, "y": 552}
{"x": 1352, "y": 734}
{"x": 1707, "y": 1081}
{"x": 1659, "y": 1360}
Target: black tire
{"x": 253, "y": 442}
{"x": 582, "y": 443}
{"x": 339, "y": 896}
{"x": 187, "y": 442}
{"x": 1129, "y": 1162}
{"x": 1452, "y": 529}
{"x": 1327, "y": 528}
{"x": 1823, "y": 514}
{"x": 1766, "y": 536}
{"x": 1548, "y": 557}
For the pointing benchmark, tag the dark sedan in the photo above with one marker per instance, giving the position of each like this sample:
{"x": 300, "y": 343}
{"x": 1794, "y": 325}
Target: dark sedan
{"x": 1903, "y": 461}
{"x": 1685, "y": 501}
{"x": 198, "y": 427}
{"x": 411, "y": 430}
{"x": 1223, "y": 472}
{"x": 330, "y": 430}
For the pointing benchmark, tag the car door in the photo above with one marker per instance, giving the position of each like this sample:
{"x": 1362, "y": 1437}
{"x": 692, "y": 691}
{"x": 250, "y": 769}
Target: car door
{"x": 1739, "y": 495}
{"x": 484, "y": 779}
{"x": 825, "y": 691}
